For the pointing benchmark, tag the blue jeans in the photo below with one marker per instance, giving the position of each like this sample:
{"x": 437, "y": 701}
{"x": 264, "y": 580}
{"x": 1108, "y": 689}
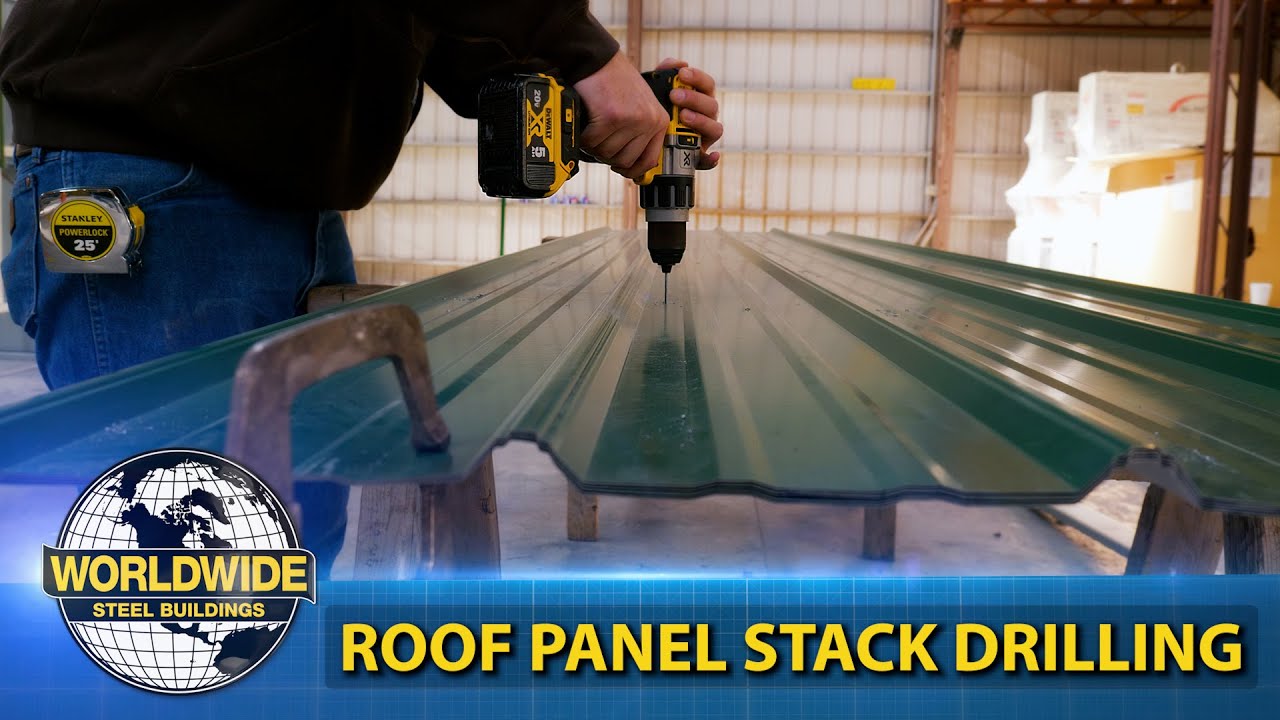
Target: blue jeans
{"x": 212, "y": 266}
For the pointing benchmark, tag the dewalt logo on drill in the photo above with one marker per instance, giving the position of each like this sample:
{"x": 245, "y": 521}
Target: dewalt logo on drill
{"x": 539, "y": 125}
{"x": 178, "y": 571}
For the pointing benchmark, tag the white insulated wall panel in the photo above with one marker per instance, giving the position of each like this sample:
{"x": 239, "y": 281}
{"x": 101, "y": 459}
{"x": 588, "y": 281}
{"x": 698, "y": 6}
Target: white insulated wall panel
{"x": 528, "y": 224}
{"x": 610, "y": 13}
{"x": 781, "y": 60}
{"x": 870, "y": 226}
{"x": 985, "y": 238}
{"x": 455, "y": 233}
{"x": 425, "y": 232}
{"x": 1031, "y": 63}
{"x": 459, "y": 234}
{"x": 842, "y": 121}
{"x": 448, "y": 172}
{"x": 814, "y": 183}
{"x": 438, "y": 124}
{"x": 980, "y": 184}
{"x": 993, "y": 124}
{"x": 802, "y": 149}
{"x": 807, "y": 14}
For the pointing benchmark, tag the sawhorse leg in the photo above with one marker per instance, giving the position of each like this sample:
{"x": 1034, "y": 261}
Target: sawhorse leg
{"x": 879, "y": 532}
{"x": 1252, "y": 544}
{"x": 437, "y": 531}
{"x": 1174, "y": 537}
{"x": 582, "y": 515}
{"x": 460, "y": 526}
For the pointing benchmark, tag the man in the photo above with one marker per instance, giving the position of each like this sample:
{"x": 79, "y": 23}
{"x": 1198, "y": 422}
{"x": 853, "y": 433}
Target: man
{"x": 240, "y": 129}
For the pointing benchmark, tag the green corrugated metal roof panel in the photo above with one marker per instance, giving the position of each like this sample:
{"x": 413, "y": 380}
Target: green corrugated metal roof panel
{"x": 786, "y": 366}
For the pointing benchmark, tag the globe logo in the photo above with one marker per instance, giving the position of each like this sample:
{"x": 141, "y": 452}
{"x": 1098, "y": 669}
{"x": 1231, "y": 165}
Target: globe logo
{"x": 178, "y": 571}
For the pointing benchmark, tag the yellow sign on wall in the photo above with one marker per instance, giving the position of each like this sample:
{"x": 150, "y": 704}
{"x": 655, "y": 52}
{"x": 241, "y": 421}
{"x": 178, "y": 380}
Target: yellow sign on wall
{"x": 871, "y": 83}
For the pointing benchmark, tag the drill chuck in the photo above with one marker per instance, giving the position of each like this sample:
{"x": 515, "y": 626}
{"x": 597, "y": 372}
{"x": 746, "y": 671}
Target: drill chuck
{"x": 668, "y": 198}
{"x": 666, "y": 202}
{"x": 666, "y": 243}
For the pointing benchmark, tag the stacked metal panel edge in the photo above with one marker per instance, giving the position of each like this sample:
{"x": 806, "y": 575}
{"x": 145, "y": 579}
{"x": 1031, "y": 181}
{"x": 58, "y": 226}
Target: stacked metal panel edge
{"x": 786, "y": 366}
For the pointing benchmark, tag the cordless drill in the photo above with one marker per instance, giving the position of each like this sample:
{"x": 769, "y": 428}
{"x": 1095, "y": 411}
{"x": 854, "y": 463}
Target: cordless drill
{"x": 530, "y": 146}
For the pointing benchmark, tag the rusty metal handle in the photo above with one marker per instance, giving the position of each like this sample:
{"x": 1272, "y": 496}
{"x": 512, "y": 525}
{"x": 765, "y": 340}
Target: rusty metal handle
{"x": 276, "y": 369}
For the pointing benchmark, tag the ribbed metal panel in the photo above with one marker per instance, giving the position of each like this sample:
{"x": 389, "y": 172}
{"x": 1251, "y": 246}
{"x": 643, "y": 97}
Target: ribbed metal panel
{"x": 786, "y": 366}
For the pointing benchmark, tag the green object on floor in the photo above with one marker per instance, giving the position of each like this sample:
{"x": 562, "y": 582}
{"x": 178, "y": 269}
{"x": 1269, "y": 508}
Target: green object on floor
{"x": 785, "y": 366}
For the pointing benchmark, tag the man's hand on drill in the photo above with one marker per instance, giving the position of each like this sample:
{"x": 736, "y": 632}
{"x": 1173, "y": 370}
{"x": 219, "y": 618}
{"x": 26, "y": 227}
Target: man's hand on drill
{"x": 699, "y": 109}
{"x": 626, "y": 123}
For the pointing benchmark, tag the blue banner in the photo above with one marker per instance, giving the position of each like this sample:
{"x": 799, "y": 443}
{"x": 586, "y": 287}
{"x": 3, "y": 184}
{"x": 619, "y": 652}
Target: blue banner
{"x": 875, "y": 647}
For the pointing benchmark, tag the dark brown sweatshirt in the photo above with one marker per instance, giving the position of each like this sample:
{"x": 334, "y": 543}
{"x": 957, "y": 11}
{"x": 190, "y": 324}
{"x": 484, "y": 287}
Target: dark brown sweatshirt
{"x": 300, "y": 103}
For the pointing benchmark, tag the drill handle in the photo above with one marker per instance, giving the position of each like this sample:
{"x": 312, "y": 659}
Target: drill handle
{"x": 574, "y": 120}
{"x": 662, "y": 82}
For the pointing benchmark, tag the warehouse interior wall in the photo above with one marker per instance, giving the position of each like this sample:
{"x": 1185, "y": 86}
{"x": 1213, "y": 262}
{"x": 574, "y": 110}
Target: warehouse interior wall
{"x": 998, "y": 76}
{"x": 803, "y": 150}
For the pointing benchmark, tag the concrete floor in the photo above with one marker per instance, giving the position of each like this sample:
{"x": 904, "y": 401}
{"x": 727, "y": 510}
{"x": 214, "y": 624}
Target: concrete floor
{"x": 726, "y": 536}
{"x": 19, "y": 378}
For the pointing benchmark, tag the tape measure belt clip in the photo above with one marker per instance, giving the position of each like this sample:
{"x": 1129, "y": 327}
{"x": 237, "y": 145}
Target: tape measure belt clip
{"x": 90, "y": 230}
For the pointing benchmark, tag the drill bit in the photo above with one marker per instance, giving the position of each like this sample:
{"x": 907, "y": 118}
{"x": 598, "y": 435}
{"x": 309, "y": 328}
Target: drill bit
{"x": 666, "y": 248}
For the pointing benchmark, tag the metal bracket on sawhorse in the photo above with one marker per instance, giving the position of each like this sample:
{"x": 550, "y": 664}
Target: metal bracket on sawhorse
{"x": 275, "y": 370}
